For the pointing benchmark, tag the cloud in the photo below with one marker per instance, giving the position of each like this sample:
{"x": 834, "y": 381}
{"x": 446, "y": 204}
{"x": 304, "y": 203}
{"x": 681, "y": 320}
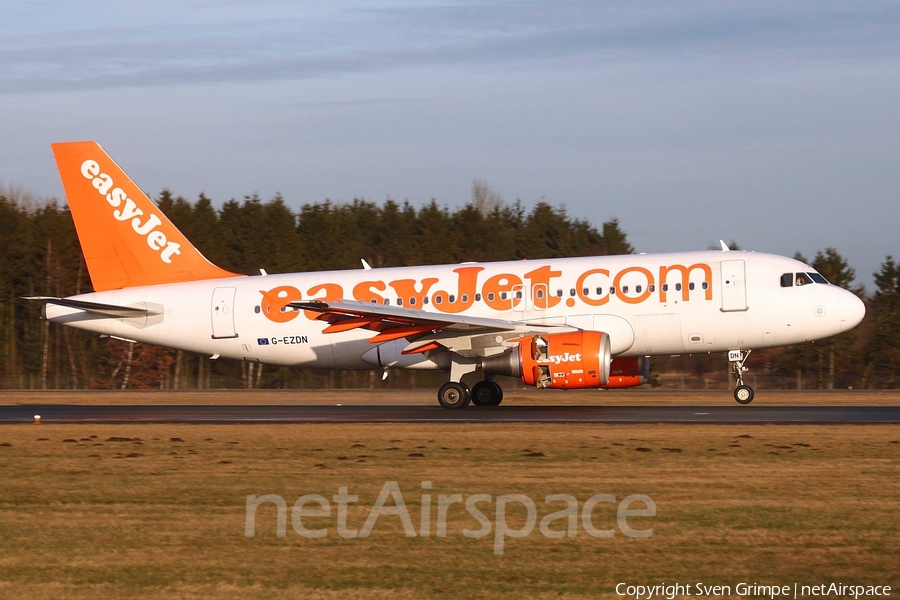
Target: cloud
{"x": 275, "y": 42}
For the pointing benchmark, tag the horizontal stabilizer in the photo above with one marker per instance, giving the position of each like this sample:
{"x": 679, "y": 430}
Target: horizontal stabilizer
{"x": 97, "y": 308}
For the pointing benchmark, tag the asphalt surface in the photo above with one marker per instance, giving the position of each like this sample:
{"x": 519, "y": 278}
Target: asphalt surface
{"x": 183, "y": 413}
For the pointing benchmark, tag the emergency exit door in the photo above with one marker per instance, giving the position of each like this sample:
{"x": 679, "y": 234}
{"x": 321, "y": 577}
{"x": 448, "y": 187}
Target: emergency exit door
{"x": 223, "y": 313}
{"x": 734, "y": 286}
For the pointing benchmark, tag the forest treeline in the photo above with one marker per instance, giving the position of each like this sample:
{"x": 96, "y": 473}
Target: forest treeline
{"x": 41, "y": 256}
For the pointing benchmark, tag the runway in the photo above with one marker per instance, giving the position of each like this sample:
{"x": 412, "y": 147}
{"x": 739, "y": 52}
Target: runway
{"x": 260, "y": 414}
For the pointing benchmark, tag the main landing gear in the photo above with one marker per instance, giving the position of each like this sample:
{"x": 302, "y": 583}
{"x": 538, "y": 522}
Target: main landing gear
{"x": 487, "y": 393}
{"x": 454, "y": 395}
{"x": 742, "y": 393}
{"x": 458, "y": 395}
{"x": 466, "y": 372}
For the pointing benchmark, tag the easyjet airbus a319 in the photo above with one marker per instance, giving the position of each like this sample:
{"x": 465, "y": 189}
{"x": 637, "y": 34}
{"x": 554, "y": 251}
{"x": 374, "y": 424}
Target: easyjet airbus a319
{"x": 565, "y": 323}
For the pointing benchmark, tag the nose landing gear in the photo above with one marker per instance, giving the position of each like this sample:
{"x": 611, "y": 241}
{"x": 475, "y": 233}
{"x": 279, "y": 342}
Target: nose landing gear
{"x": 742, "y": 393}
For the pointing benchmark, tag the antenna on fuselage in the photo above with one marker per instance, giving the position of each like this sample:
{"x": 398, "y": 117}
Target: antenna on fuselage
{"x": 725, "y": 247}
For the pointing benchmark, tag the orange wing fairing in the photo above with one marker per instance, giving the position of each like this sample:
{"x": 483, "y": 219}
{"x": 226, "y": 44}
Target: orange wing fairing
{"x": 401, "y": 332}
{"x": 422, "y": 349}
{"x": 351, "y": 323}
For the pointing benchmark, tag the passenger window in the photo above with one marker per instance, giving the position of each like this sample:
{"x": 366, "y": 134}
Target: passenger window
{"x": 651, "y": 288}
{"x": 665, "y": 287}
{"x": 503, "y": 295}
{"x": 412, "y": 301}
{"x": 438, "y": 299}
{"x": 677, "y": 287}
{"x": 540, "y": 294}
{"x": 399, "y": 301}
{"x": 452, "y": 298}
{"x": 624, "y": 289}
{"x": 572, "y": 292}
{"x": 637, "y": 289}
{"x": 612, "y": 291}
{"x": 559, "y": 293}
{"x": 705, "y": 285}
{"x": 600, "y": 291}
{"x": 691, "y": 286}
{"x": 477, "y": 297}
{"x": 490, "y": 296}
{"x": 585, "y": 291}
{"x": 425, "y": 300}
{"x": 464, "y": 298}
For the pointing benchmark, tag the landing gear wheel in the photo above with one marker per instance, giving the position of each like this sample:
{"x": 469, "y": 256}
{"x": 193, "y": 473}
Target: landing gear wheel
{"x": 486, "y": 393}
{"x": 481, "y": 393}
{"x": 453, "y": 395}
{"x": 498, "y": 394}
{"x": 743, "y": 394}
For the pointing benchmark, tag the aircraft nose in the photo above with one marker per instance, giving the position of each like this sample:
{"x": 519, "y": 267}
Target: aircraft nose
{"x": 852, "y": 310}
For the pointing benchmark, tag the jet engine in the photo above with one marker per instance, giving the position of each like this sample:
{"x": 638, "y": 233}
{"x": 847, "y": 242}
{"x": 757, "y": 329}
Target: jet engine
{"x": 629, "y": 371}
{"x": 574, "y": 360}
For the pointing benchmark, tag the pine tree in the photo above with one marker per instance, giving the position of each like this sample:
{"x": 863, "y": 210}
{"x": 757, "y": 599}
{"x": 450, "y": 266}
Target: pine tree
{"x": 883, "y": 352}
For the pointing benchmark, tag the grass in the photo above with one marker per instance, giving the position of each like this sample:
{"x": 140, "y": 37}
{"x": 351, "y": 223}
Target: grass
{"x": 133, "y": 511}
{"x": 428, "y": 397}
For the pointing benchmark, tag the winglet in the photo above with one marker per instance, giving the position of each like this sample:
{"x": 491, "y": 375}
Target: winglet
{"x": 127, "y": 241}
{"x": 725, "y": 247}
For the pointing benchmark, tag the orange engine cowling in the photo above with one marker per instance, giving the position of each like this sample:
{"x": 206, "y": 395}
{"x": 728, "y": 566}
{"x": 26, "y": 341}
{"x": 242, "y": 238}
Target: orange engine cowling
{"x": 578, "y": 359}
{"x": 629, "y": 371}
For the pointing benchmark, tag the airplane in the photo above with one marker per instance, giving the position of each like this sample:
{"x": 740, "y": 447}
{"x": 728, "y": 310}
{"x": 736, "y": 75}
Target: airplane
{"x": 561, "y": 323}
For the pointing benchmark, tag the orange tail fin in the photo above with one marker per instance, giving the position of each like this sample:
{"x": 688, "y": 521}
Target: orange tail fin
{"x": 127, "y": 241}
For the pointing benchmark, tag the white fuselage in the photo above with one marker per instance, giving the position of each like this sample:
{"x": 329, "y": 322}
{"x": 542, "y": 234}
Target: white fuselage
{"x": 661, "y": 304}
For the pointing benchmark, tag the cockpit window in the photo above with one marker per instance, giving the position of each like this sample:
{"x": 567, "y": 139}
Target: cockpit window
{"x": 802, "y": 279}
{"x": 798, "y": 279}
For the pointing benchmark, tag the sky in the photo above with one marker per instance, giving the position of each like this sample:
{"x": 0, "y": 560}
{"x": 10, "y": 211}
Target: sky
{"x": 774, "y": 124}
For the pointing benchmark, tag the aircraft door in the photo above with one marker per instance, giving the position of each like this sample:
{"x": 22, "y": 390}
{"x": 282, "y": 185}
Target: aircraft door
{"x": 223, "y": 313}
{"x": 734, "y": 287}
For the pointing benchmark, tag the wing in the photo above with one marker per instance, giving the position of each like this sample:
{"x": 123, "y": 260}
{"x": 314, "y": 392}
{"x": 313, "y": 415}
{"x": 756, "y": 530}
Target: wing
{"x": 466, "y": 335}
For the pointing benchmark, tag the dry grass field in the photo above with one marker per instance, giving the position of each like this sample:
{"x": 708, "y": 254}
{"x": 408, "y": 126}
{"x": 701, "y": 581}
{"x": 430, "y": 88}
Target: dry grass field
{"x": 139, "y": 511}
{"x": 428, "y": 397}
